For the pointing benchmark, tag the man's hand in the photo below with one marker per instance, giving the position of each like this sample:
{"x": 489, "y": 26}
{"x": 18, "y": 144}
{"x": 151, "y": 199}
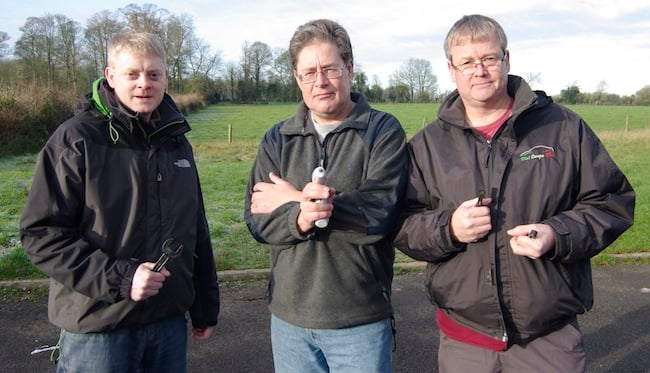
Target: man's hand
{"x": 267, "y": 197}
{"x": 315, "y": 204}
{"x": 146, "y": 283}
{"x": 532, "y": 246}
{"x": 471, "y": 220}
{"x": 202, "y": 334}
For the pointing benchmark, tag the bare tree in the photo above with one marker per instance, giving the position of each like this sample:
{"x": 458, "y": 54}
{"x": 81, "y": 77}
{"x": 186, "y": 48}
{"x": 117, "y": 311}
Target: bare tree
{"x": 203, "y": 68}
{"x": 417, "y": 75}
{"x": 255, "y": 58}
{"x": 190, "y": 58}
{"x": 533, "y": 78}
{"x": 179, "y": 34}
{"x": 51, "y": 50}
{"x": 68, "y": 48}
{"x": 146, "y": 17}
{"x": 281, "y": 70}
{"x": 203, "y": 61}
{"x": 100, "y": 28}
{"x": 282, "y": 85}
{"x": 37, "y": 47}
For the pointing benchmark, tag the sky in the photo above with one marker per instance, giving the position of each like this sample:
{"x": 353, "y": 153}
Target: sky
{"x": 594, "y": 44}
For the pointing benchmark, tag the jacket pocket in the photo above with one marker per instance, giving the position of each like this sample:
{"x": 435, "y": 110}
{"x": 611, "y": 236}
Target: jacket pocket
{"x": 375, "y": 267}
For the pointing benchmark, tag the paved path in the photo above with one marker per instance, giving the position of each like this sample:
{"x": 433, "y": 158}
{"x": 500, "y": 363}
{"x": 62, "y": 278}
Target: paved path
{"x": 617, "y": 330}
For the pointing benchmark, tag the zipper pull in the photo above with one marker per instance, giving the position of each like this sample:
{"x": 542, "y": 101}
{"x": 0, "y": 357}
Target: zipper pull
{"x": 489, "y": 278}
{"x": 489, "y": 152}
{"x": 323, "y": 153}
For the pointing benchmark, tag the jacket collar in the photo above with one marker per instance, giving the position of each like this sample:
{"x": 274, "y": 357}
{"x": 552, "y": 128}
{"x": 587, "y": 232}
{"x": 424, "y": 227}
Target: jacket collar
{"x": 103, "y": 100}
{"x": 301, "y": 124}
{"x": 452, "y": 110}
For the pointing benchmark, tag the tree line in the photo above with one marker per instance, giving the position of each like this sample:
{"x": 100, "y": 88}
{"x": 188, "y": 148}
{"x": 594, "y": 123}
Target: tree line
{"x": 55, "y": 51}
{"x": 59, "y": 53}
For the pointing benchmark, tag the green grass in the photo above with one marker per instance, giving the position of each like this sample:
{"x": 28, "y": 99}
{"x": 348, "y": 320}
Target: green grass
{"x": 614, "y": 118}
{"x": 15, "y": 178}
{"x": 15, "y": 265}
{"x": 224, "y": 166}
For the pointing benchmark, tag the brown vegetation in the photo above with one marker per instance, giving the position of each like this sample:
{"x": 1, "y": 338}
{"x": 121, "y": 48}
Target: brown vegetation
{"x": 28, "y": 115}
{"x": 189, "y": 102}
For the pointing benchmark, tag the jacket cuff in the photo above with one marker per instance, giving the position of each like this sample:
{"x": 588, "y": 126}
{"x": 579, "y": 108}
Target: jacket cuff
{"x": 292, "y": 223}
{"x": 563, "y": 245}
{"x": 127, "y": 281}
{"x": 451, "y": 246}
{"x": 202, "y": 324}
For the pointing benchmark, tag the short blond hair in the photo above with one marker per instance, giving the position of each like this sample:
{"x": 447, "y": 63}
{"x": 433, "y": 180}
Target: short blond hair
{"x": 136, "y": 43}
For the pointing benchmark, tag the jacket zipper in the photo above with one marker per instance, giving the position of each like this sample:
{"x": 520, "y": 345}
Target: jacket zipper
{"x": 494, "y": 277}
{"x": 323, "y": 151}
{"x": 169, "y": 124}
{"x": 487, "y": 156}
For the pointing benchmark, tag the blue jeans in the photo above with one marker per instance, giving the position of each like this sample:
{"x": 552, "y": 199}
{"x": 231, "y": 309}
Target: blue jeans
{"x": 361, "y": 349}
{"x": 156, "y": 347}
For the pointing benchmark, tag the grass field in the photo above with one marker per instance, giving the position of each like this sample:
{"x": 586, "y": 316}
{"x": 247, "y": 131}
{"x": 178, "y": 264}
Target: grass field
{"x": 225, "y": 139}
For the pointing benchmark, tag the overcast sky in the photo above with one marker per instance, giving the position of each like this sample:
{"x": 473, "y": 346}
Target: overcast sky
{"x": 582, "y": 42}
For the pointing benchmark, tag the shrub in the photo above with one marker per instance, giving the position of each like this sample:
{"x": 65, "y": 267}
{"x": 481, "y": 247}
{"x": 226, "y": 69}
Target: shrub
{"x": 29, "y": 114}
{"x": 189, "y": 102}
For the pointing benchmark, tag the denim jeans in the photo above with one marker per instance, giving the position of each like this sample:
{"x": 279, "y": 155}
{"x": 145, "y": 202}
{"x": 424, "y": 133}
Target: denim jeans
{"x": 156, "y": 347}
{"x": 360, "y": 349}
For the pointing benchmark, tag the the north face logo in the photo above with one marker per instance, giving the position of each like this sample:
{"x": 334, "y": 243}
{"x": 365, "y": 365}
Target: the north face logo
{"x": 183, "y": 163}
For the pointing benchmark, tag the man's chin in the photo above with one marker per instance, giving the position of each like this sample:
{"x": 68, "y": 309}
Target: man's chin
{"x": 148, "y": 108}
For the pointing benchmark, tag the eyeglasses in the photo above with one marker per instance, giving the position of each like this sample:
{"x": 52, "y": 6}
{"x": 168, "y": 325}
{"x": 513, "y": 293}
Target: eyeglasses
{"x": 329, "y": 73}
{"x": 491, "y": 63}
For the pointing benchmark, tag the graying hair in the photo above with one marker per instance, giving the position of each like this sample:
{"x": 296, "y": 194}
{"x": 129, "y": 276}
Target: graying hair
{"x": 320, "y": 30}
{"x": 474, "y": 28}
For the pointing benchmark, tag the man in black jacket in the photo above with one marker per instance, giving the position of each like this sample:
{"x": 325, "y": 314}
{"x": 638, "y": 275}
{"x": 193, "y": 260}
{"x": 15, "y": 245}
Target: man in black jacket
{"x": 509, "y": 196}
{"x": 115, "y": 187}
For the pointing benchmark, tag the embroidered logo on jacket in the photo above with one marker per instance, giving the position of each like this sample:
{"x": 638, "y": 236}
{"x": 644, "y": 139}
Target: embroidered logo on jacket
{"x": 182, "y": 163}
{"x": 537, "y": 152}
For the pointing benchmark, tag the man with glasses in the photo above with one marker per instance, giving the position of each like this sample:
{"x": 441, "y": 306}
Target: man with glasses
{"x": 330, "y": 242}
{"x": 509, "y": 196}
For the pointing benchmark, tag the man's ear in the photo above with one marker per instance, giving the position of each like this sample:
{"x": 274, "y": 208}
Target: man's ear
{"x": 108, "y": 74}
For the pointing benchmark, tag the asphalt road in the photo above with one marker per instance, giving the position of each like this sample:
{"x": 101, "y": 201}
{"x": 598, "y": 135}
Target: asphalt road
{"x": 617, "y": 330}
